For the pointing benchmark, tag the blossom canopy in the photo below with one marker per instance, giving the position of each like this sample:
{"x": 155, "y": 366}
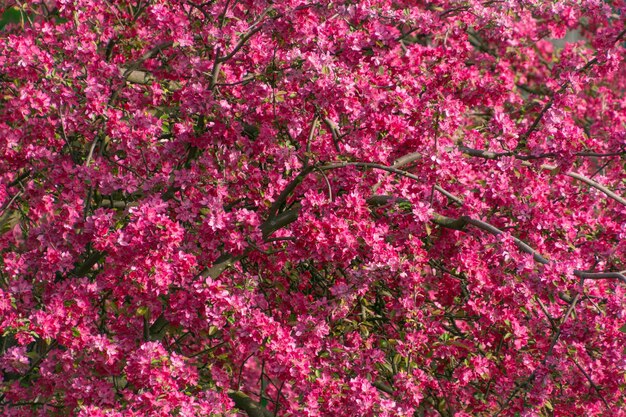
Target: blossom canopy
{"x": 261, "y": 208}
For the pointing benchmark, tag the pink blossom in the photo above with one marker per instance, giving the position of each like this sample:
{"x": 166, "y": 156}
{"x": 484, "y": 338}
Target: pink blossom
{"x": 292, "y": 208}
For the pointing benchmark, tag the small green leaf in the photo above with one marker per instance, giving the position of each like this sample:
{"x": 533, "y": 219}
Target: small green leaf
{"x": 11, "y": 15}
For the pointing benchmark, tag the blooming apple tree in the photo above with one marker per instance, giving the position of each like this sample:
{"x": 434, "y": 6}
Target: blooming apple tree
{"x": 312, "y": 208}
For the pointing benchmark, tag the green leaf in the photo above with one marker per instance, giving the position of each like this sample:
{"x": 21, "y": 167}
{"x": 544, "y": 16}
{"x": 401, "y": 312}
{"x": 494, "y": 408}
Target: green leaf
{"x": 11, "y": 15}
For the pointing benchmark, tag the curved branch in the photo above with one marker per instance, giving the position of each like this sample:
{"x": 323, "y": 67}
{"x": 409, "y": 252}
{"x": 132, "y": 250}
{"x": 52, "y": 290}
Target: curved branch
{"x": 591, "y": 183}
{"x": 285, "y": 218}
{"x": 461, "y": 222}
{"x": 495, "y": 231}
{"x": 282, "y": 198}
{"x": 407, "y": 159}
{"x": 524, "y": 157}
{"x": 400, "y": 162}
{"x": 389, "y": 169}
{"x": 334, "y": 131}
{"x": 248, "y": 405}
{"x": 493, "y": 155}
{"x": 132, "y": 67}
{"x": 256, "y": 26}
{"x": 524, "y": 137}
{"x": 279, "y": 221}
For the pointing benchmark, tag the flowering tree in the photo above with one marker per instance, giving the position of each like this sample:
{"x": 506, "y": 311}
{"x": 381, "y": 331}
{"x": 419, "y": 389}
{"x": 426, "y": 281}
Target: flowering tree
{"x": 296, "y": 208}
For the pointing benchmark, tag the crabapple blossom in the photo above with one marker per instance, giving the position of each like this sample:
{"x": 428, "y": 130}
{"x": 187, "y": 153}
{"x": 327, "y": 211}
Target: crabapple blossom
{"x": 312, "y": 208}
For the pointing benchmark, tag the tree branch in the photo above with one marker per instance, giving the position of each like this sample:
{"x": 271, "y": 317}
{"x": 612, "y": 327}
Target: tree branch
{"x": 497, "y": 155}
{"x": 389, "y": 169}
{"x": 593, "y": 385}
{"x": 334, "y": 131}
{"x": 492, "y": 155}
{"x": 254, "y": 28}
{"x": 591, "y": 183}
{"x": 248, "y": 405}
{"x": 461, "y": 222}
{"x": 282, "y": 198}
{"x": 524, "y": 137}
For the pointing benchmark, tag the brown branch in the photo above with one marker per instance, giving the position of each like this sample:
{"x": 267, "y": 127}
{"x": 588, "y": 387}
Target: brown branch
{"x": 254, "y": 28}
{"x": 116, "y": 204}
{"x": 449, "y": 222}
{"x": 330, "y": 188}
{"x": 497, "y": 155}
{"x": 399, "y": 163}
{"x": 136, "y": 76}
{"x": 130, "y": 72}
{"x": 311, "y": 134}
{"x": 248, "y": 405}
{"x": 593, "y": 385}
{"x": 216, "y": 68}
{"x": 220, "y": 265}
{"x": 407, "y": 159}
{"x": 450, "y": 196}
{"x": 524, "y": 137}
{"x": 219, "y": 60}
{"x": 495, "y": 231}
{"x": 151, "y": 53}
{"x": 5, "y": 208}
{"x": 383, "y": 387}
{"x": 461, "y": 222}
{"x": 492, "y": 155}
{"x": 389, "y": 169}
{"x": 601, "y": 275}
{"x": 601, "y": 155}
{"x": 591, "y": 183}
{"x": 19, "y": 178}
{"x": 334, "y": 131}
{"x": 381, "y": 200}
{"x": 245, "y": 80}
{"x": 279, "y": 221}
{"x": 282, "y": 198}
{"x": 288, "y": 217}
{"x": 555, "y": 338}
{"x": 86, "y": 266}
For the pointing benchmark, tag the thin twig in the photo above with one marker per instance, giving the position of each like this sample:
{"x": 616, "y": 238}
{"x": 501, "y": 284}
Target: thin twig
{"x": 334, "y": 131}
{"x": 330, "y": 189}
{"x": 524, "y": 137}
{"x": 555, "y": 338}
{"x": 6, "y": 207}
{"x": 593, "y": 385}
{"x": 254, "y": 28}
{"x": 312, "y": 134}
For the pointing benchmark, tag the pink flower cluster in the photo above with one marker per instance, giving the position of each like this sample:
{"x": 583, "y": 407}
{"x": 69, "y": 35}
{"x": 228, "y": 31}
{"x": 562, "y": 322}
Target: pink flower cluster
{"x": 377, "y": 208}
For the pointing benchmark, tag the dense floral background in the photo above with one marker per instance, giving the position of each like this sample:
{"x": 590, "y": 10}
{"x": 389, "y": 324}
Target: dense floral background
{"x": 300, "y": 208}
